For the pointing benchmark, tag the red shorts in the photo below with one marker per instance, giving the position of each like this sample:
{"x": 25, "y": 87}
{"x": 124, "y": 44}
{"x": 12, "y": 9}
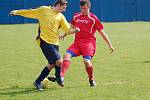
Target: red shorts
{"x": 84, "y": 49}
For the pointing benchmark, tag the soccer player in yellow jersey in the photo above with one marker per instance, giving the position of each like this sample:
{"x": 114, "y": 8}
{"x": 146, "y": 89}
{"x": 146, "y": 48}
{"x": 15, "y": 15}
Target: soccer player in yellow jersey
{"x": 50, "y": 20}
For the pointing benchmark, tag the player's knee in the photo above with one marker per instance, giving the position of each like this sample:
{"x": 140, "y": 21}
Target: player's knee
{"x": 59, "y": 62}
{"x": 87, "y": 63}
{"x": 67, "y": 56}
{"x": 50, "y": 66}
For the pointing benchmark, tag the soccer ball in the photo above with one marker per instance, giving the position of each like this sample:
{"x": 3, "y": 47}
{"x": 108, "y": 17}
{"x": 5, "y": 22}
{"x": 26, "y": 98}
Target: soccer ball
{"x": 45, "y": 83}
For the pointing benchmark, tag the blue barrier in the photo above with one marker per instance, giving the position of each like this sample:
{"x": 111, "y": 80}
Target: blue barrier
{"x": 106, "y": 10}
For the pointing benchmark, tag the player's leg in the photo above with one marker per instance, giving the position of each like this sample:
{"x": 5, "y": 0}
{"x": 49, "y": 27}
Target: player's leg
{"x": 66, "y": 63}
{"x": 72, "y": 51}
{"x": 88, "y": 51}
{"x": 89, "y": 69}
{"x": 57, "y": 72}
{"x": 42, "y": 76}
{"x": 50, "y": 53}
{"x": 57, "y": 61}
{"x": 64, "y": 67}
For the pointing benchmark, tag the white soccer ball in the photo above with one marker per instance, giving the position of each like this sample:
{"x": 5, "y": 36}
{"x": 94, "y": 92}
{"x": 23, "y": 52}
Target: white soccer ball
{"x": 45, "y": 83}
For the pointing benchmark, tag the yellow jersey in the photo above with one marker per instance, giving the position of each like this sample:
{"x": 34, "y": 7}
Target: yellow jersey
{"x": 50, "y": 22}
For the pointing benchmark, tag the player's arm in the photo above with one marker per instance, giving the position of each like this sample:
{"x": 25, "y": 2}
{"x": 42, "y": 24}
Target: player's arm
{"x": 72, "y": 30}
{"x": 106, "y": 39}
{"x": 99, "y": 27}
{"x": 68, "y": 29}
{"x": 31, "y": 13}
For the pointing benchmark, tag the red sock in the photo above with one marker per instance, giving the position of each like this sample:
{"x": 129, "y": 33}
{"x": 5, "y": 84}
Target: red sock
{"x": 89, "y": 71}
{"x": 64, "y": 67}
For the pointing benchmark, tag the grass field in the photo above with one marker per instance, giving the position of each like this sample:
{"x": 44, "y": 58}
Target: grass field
{"x": 123, "y": 75}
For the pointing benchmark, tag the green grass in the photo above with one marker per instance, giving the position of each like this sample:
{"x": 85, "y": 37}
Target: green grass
{"x": 123, "y": 75}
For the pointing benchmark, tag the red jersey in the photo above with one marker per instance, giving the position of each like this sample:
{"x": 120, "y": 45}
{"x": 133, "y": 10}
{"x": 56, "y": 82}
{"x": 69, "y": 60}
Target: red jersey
{"x": 88, "y": 24}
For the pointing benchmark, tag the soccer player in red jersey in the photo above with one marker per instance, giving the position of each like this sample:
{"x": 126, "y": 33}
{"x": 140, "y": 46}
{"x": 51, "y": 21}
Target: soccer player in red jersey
{"x": 85, "y": 40}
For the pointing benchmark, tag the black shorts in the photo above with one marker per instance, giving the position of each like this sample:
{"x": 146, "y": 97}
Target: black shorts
{"x": 50, "y": 51}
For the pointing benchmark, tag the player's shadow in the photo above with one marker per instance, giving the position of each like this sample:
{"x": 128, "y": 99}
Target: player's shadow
{"x": 14, "y": 90}
{"x": 146, "y": 62}
{"x": 142, "y": 62}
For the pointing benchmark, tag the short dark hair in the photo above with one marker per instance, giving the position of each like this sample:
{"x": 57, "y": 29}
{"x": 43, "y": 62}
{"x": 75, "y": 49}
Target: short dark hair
{"x": 61, "y": 2}
{"x": 85, "y": 2}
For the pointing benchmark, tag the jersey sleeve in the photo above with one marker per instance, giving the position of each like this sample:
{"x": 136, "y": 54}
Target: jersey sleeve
{"x": 65, "y": 26}
{"x": 98, "y": 24}
{"x": 73, "y": 19}
{"x": 30, "y": 13}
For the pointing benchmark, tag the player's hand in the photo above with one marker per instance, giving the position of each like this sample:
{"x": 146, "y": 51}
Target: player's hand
{"x": 13, "y": 13}
{"x": 62, "y": 37}
{"x": 38, "y": 37}
{"x": 77, "y": 29}
{"x": 112, "y": 49}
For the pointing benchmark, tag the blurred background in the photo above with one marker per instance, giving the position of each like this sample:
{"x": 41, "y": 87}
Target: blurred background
{"x": 106, "y": 10}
